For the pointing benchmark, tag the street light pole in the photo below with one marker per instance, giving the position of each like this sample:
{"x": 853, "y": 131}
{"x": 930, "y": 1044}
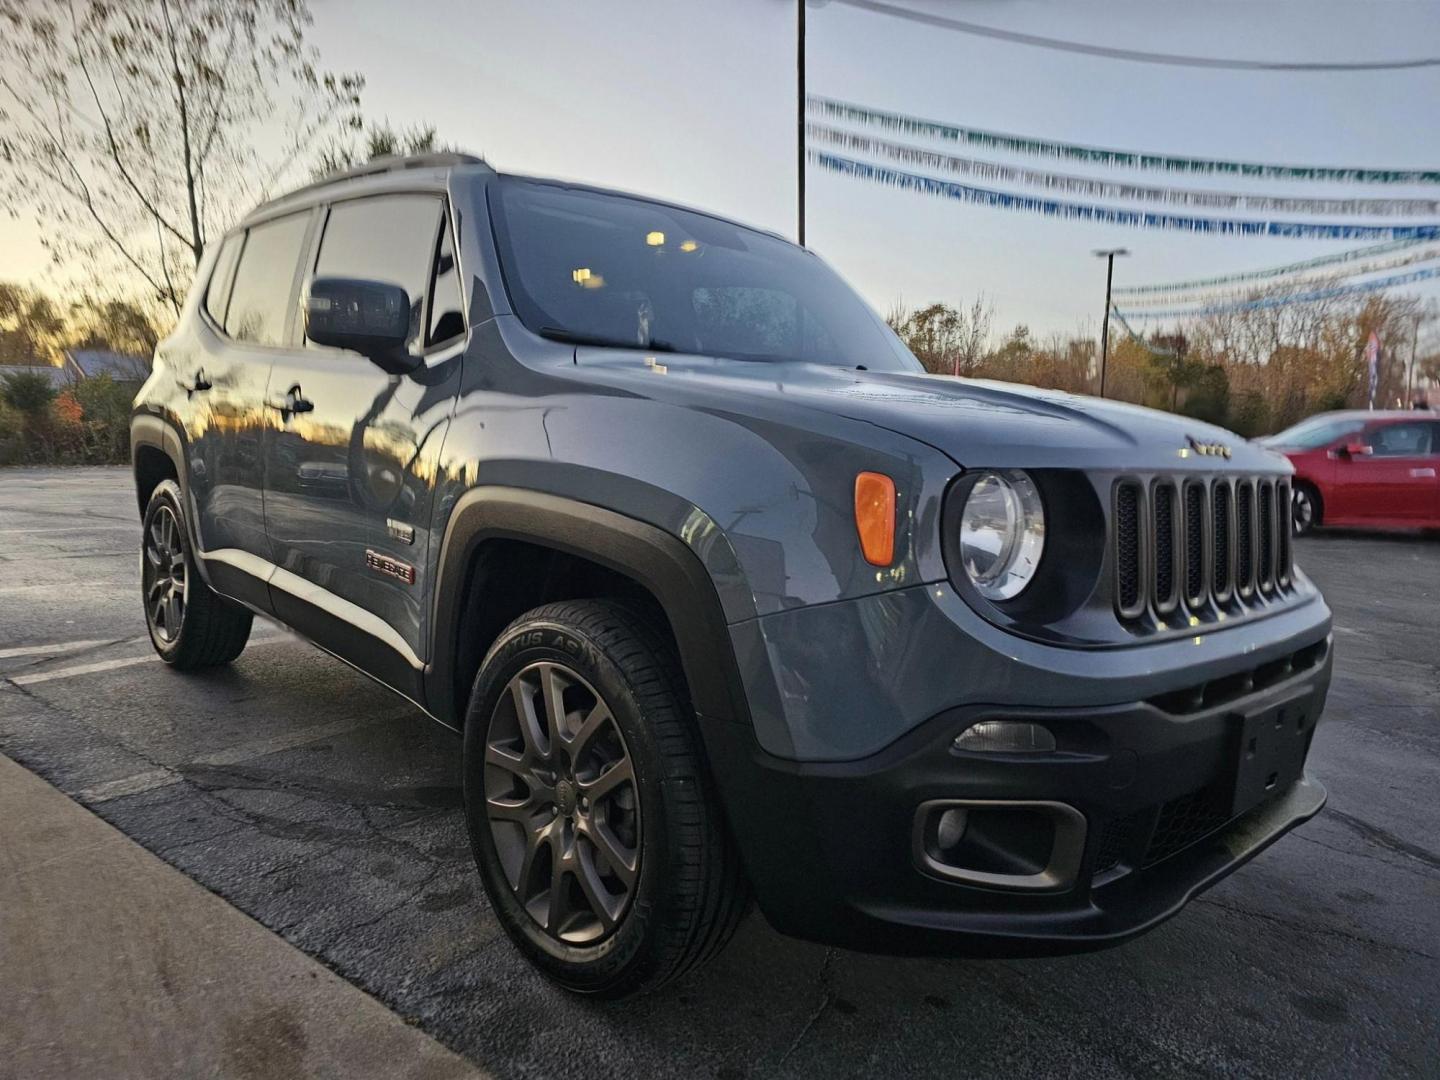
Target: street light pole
{"x": 1108, "y": 254}
{"x": 800, "y": 113}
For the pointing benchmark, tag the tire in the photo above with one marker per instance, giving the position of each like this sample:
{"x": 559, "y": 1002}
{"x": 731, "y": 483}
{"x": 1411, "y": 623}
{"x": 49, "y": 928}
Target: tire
{"x": 191, "y": 626}
{"x": 1306, "y": 508}
{"x": 651, "y": 884}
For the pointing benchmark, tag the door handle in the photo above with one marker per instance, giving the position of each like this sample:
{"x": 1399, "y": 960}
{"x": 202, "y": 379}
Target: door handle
{"x": 1422, "y": 474}
{"x": 294, "y": 403}
{"x": 200, "y": 383}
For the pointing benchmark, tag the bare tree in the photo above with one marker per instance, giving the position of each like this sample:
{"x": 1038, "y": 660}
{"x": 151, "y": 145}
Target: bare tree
{"x": 133, "y": 129}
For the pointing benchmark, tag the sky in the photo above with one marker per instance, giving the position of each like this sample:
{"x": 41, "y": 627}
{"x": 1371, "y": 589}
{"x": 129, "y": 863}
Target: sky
{"x": 694, "y": 101}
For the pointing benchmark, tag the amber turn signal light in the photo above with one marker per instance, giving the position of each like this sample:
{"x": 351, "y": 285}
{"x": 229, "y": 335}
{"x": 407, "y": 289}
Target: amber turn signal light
{"x": 875, "y": 517}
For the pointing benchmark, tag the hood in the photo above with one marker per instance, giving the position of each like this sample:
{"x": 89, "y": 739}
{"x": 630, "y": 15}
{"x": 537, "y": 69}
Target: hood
{"x": 975, "y": 422}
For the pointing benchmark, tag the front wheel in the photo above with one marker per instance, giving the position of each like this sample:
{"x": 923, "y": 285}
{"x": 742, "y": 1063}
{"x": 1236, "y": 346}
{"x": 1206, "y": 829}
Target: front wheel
{"x": 593, "y": 822}
{"x": 191, "y": 626}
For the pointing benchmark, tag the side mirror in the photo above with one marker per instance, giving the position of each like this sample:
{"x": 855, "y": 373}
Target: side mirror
{"x": 1357, "y": 449}
{"x": 370, "y": 317}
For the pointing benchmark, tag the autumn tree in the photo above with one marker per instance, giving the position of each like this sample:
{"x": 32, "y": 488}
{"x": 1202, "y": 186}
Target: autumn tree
{"x": 946, "y": 340}
{"x": 378, "y": 141}
{"x": 121, "y": 326}
{"x": 30, "y": 326}
{"x": 133, "y": 130}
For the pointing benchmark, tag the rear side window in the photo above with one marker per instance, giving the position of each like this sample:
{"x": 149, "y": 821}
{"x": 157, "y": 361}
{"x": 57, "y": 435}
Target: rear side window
{"x": 1401, "y": 440}
{"x": 260, "y": 305}
{"x": 217, "y": 293}
{"x": 386, "y": 238}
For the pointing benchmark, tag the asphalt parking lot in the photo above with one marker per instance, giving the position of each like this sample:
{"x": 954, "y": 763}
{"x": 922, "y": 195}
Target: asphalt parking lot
{"x": 328, "y": 810}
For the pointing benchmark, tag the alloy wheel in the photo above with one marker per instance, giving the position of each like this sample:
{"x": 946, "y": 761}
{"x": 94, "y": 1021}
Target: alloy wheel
{"x": 1304, "y": 510}
{"x": 563, "y": 804}
{"x": 164, "y": 574}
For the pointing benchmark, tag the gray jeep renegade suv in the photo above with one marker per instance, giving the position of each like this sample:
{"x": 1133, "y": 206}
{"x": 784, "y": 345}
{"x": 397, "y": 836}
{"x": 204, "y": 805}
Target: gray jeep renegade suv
{"x": 726, "y": 595}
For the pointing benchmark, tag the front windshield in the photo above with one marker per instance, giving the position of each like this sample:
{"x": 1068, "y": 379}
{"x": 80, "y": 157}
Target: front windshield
{"x": 1316, "y": 432}
{"x": 610, "y": 270}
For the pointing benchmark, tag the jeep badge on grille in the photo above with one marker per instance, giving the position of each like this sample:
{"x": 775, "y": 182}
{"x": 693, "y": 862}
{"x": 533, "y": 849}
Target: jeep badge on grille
{"x": 1208, "y": 449}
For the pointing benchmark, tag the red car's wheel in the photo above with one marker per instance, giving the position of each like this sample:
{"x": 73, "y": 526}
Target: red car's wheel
{"x": 1305, "y": 508}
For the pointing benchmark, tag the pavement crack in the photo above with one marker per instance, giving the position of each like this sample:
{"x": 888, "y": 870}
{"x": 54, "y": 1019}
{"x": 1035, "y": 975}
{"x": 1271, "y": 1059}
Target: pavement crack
{"x": 1317, "y": 931}
{"x": 827, "y": 996}
{"x": 1389, "y": 864}
{"x": 1386, "y": 839}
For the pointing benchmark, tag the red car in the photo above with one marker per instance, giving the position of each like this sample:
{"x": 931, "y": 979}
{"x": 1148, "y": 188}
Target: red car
{"x": 1364, "y": 469}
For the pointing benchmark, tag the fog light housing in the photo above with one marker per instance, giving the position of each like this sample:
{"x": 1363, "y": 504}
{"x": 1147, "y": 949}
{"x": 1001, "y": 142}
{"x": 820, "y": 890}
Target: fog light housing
{"x": 1026, "y": 845}
{"x": 1005, "y": 737}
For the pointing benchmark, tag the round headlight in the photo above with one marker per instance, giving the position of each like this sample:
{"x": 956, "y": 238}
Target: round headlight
{"x": 1002, "y": 533}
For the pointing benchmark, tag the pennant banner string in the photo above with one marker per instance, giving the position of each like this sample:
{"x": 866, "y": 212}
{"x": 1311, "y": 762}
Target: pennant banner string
{"x": 1148, "y": 219}
{"x": 1106, "y": 189}
{"x": 1339, "y": 258}
{"x": 1094, "y": 155}
{"x": 1299, "y": 298}
{"x": 1419, "y": 255}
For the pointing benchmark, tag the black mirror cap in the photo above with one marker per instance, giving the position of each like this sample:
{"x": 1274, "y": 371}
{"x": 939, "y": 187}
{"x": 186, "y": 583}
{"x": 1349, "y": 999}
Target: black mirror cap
{"x": 369, "y": 317}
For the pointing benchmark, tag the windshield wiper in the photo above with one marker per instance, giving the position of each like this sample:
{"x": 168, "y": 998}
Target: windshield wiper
{"x": 575, "y": 337}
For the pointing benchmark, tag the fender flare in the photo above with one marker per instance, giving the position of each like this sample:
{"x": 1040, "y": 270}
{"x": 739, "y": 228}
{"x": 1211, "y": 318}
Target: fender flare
{"x": 155, "y": 432}
{"x": 653, "y": 558}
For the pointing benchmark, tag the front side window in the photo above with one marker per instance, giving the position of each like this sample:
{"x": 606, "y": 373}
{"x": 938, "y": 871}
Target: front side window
{"x": 385, "y": 238}
{"x": 628, "y": 272}
{"x": 1400, "y": 440}
{"x": 446, "y": 298}
{"x": 260, "y": 308}
{"x": 1314, "y": 433}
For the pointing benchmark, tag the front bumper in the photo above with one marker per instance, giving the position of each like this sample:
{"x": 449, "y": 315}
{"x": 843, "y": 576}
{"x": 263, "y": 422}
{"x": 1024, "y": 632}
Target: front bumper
{"x": 832, "y": 852}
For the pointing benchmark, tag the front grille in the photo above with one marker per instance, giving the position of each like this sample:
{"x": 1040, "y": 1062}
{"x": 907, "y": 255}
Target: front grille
{"x": 1167, "y": 550}
{"x": 1265, "y": 576}
{"x": 1245, "y": 531}
{"x": 1201, "y": 547}
{"x": 1282, "y": 533}
{"x": 1127, "y": 550}
{"x": 1194, "y": 544}
{"x": 1222, "y": 546}
{"x": 1117, "y": 838}
{"x": 1182, "y": 822}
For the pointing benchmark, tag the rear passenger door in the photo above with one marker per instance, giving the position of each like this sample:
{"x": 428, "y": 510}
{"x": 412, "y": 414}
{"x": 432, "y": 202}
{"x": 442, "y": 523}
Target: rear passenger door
{"x": 248, "y": 316}
{"x": 353, "y": 450}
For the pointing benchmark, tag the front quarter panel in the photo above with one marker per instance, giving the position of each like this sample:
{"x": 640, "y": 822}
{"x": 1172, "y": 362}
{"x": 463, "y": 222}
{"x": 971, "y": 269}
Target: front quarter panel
{"x": 763, "y": 493}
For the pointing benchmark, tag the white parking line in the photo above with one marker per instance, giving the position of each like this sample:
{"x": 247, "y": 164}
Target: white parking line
{"x": 53, "y": 650}
{"x": 127, "y": 526}
{"x": 112, "y": 665}
{"x": 151, "y": 779}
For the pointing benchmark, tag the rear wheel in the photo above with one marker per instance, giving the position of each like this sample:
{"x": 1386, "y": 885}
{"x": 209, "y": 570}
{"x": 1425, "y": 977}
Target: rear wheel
{"x": 1305, "y": 508}
{"x": 593, "y": 822}
{"x": 191, "y": 626}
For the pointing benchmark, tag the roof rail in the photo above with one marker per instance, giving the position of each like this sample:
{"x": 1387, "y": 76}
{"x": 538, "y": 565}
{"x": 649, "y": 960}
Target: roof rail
{"x": 392, "y": 163}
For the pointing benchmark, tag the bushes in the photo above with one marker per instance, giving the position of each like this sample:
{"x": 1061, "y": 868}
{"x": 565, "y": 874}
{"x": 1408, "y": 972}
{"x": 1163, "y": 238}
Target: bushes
{"x": 85, "y": 424}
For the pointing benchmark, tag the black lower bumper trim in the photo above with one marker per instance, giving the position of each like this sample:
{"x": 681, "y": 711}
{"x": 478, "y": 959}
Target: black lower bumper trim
{"x": 1169, "y": 802}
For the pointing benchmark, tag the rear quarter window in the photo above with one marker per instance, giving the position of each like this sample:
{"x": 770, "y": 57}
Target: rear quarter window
{"x": 260, "y": 307}
{"x": 217, "y": 292}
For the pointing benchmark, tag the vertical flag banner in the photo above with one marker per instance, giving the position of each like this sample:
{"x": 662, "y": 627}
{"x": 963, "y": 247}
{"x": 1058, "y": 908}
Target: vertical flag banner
{"x": 1372, "y": 361}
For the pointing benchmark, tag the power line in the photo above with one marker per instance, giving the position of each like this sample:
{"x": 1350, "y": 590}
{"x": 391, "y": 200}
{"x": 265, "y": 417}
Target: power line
{"x": 1137, "y": 55}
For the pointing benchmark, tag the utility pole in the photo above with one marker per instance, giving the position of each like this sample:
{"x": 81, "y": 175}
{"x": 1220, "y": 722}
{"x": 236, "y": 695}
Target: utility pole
{"x": 1108, "y": 254}
{"x": 800, "y": 113}
{"x": 1410, "y": 371}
